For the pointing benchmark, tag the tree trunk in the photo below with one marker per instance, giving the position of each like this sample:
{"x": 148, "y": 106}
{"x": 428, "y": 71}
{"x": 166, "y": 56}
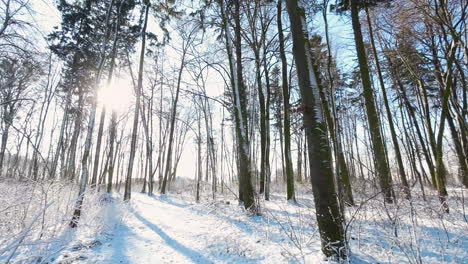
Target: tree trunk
{"x": 98, "y": 147}
{"x": 168, "y": 165}
{"x": 128, "y": 181}
{"x": 329, "y": 218}
{"x": 396, "y": 146}
{"x": 267, "y": 121}
{"x": 90, "y": 129}
{"x": 246, "y": 190}
{"x": 261, "y": 100}
{"x": 345, "y": 190}
{"x": 3, "y": 146}
{"x": 381, "y": 164}
{"x": 286, "y": 123}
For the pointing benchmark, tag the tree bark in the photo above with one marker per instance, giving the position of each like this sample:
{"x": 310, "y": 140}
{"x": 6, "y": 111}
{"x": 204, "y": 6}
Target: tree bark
{"x": 286, "y": 121}
{"x": 329, "y": 218}
{"x": 380, "y": 160}
{"x": 396, "y": 146}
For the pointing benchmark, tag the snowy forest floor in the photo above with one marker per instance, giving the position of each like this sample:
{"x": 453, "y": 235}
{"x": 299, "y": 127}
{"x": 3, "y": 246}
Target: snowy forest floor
{"x": 174, "y": 229}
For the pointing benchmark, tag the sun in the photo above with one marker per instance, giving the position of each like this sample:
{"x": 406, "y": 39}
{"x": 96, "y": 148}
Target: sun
{"x": 117, "y": 96}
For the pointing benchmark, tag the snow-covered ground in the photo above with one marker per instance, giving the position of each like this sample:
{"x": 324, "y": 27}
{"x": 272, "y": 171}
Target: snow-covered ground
{"x": 175, "y": 229}
{"x": 168, "y": 229}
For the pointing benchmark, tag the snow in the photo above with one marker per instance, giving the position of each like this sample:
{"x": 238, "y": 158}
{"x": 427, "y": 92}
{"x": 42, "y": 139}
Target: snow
{"x": 312, "y": 78}
{"x": 34, "y": 220}
{"x": 167, "y": 229}
{"x": 174, "y": 229}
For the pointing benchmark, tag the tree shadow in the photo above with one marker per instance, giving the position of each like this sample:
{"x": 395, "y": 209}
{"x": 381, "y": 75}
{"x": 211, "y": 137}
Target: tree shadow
{"x": 194, "y": 256}
{"x": 246, "y": 226}
{"x": 166, "y": 199}
{"x": 443, "y": 251}
{"x": 362, "y": 260}
{"x": 300, "y": 201}
{"x": 119, "y": 244}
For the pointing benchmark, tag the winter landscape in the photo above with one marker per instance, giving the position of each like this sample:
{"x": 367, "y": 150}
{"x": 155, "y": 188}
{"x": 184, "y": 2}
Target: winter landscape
{"x": 244, "y": 131}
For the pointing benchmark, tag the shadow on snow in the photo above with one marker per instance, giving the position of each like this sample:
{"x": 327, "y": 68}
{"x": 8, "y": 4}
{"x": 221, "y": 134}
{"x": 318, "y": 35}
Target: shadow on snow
{"x": 189, "y": 253}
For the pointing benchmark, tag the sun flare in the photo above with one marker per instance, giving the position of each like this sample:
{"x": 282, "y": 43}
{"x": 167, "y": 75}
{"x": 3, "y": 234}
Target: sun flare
{"x": 117, "y": 96}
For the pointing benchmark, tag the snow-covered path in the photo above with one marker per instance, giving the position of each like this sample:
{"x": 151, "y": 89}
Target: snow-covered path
{"x": 166, "y": 230}
{"x": 174, "y": 229}
{"x": 159, "y": 230}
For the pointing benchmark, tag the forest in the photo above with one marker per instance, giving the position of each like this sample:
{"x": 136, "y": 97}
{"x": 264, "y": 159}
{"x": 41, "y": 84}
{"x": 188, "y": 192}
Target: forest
{"x": 233, "y": 131}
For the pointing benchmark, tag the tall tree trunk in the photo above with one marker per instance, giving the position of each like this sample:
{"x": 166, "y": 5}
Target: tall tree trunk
{"x": 462, "y": 158}
{"x": 462, "y": 111}
{"x": 412, "y": 150}
{"x": 267, "y": 122}
{"x": 299, "y": 158}
{"x": 246, "y": 190}
{"x": 441, "y": 177}
{"x": 7, "y": 116}
{"x": 112, "y": 135}
{"x": 241, "y": 106}
{"x": 396, "y": 146}
{"x": 412, "y": 115}
{"x": 60, "y": 143}
{"x": 286, "y": 123}
{"x": 199, "y": 160}
{"x": 329, "y": 218}
{"x": 98, "y": 147}
{"x": 345, "y": 190}
{"x": 71, "y": 168}
{"x": 5, "y": 133}
{"x": 113, "y": 122}
{"x": 160, "y": 138}
{"x": 261, "y": 100}
{"x": 381, "y": 164}
{"x": 90, "y": 129}
{"x": 168, "y": 166}
{"x": 128, "y": 181}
